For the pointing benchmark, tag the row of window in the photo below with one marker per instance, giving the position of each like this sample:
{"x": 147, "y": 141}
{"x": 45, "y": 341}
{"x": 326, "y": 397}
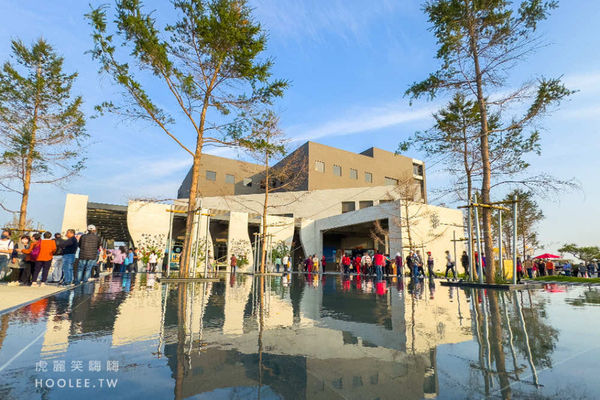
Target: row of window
{"x": 212, "y": 176}
{"x": 337, "y": 171}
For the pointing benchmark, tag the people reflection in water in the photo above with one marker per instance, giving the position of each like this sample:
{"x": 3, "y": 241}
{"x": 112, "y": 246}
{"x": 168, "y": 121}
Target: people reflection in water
{"x": 432, "y": 287}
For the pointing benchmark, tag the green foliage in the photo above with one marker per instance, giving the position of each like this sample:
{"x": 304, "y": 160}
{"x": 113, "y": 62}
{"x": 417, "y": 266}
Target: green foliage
{"x": 207, "y": 58}
{"x": 479, "y": 43}
{"x": 151, "y": 243}
{"x": 280, "y": 250}
{"x": 584, "y": 253}
{"x": 528, "y": 216}
{"x": 42, "y": 126}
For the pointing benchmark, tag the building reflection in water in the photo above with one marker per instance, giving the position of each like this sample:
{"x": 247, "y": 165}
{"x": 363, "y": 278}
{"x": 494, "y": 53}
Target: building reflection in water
{"x": 305, "y": 336}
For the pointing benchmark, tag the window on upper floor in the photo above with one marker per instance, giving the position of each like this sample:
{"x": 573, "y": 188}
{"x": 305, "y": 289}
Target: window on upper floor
{"x": 337, "y": 170}
{"x": 391, "y": 181}
{"x": 368, "y": 177}
{"x": 353, "y": 173}
{"x": 319, "y": 166}
{"x": 229, "y": 179}
{"x": 348, "y": 206}
{"x": 365, "y": 203}
{"x": 211, "y": 176}
{"x": 418, "y": 169}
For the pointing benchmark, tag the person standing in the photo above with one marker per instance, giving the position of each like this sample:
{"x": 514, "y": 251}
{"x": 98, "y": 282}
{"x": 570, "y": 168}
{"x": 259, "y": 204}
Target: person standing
{"x": 57, "y": 260}
{"x": 323, "y": 263}
{"x": 450, "y": 266}
{"x": 430, "y": 263}
{"x": 88, "y": 254}
{"x": 68, "y": 247}
{"x": 379, "y": 262}
{"x": 136, "y": 258}
{"x": 102, "y": 259}
{"x": 529, "y": 266}
{"x": 6, "y": 251}
{"x": 277, "y": 263}
{"x": 316, "y": 263}
{"x": 366, "y": 263}
{"x": 43, "y": 260}
{"x": 464, "y": 260}
{"x": 550, "y": 267}
{"x": 128, "y": 262}
{"x": 119, "y": 259}
{"x": 346, "y": 263}
{"x": 285, "y": 262}
{"x": 233, "y": 263}
{"x": 152, "y": 260}
{"x": 398, "y": 261}
{"x": 19, "y": 263}
{"x": 420, "y": 264}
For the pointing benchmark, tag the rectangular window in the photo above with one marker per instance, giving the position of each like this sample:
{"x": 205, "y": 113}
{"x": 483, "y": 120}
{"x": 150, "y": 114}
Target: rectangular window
{"x": 337, "y": 170}
{"x": 348, "y": 206}
{"x": 248, "y": 182}
{"x": 319, "y": 166}
{"x": 385, "y": 201}
{"x": 368, "y": 177}
{"x": 211, "y": 176}
{"x": 353, "y": 173}
{"x": 391, "y": 181}
{"x": 365, "y": 204}
{"x": 229, "y": 178}
{"x": 418, "y": 169}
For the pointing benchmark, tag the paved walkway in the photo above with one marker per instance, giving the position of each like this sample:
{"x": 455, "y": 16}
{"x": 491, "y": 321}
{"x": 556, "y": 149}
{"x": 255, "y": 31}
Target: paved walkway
{"x": 11, "y": 296}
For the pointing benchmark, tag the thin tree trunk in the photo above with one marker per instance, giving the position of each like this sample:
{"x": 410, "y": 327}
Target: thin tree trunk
{"x": 263, "y": 256}
{"x": 29, "y": 162}
{"x": 486, "y": 213}
{"x": 410, "y": 243}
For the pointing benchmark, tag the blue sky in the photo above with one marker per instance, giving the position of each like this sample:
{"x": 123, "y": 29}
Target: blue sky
{"x": 349, "y": 63}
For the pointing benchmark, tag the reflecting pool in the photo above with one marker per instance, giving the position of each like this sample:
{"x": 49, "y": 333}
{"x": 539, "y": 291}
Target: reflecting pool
{"x": 301, "y": 337}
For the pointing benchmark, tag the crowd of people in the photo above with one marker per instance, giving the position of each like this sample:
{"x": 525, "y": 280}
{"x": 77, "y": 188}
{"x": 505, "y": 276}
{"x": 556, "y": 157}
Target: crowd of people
{"x": 380, "y": 264}
{"x": 40, "y": 258}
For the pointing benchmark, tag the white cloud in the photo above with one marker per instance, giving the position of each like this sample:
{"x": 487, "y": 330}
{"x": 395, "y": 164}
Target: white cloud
{"x": 363, "y": 119}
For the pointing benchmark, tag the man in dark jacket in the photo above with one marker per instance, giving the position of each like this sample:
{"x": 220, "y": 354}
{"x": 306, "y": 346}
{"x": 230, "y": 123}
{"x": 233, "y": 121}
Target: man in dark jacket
{"x": 88, "y": 254}
{"x": 464, "y": 260}
{"x": 69, "y": 248}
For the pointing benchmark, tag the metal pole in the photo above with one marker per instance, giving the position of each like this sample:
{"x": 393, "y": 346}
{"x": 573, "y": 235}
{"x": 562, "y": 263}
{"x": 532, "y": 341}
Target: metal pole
{"x": 470, "y": 241}
{"x": 199, "y": 214}
{"x": 170, "y": 247}
{"x": 500, "y": 243}
{"x": 514, "y": 245}
{"x": 206, "y": 246}
{"x": 454, "y": 241}
{"x": 477, "y": 234}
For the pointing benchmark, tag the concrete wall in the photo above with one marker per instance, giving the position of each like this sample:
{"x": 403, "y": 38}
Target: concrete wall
{"x": 75, "y": 214}
{"x": 303, "y": 204}
{"x": 222, "y": 166}
{"x": 238, "y": 240}
{"x": 378, "y": 162}
{"x": 148, "y": 222}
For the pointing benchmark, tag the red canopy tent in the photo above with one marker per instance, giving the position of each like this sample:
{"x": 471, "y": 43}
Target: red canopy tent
{"x": 547, "y": 255}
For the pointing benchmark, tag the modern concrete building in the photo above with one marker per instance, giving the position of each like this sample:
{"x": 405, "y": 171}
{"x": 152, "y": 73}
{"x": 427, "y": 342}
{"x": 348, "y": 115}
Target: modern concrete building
{"x": 344, "y": 203}
{"x": 313, "y": 166}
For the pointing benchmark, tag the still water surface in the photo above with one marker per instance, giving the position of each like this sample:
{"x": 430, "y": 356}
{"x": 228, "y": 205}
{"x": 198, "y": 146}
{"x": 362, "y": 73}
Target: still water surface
{"x": 310, "y": 337}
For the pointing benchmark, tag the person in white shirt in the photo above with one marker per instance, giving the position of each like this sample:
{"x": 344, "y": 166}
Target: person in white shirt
{"x": 285, "y": 262}
{"x": 6, "y": 249}
{"x": 152, "y": 260}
